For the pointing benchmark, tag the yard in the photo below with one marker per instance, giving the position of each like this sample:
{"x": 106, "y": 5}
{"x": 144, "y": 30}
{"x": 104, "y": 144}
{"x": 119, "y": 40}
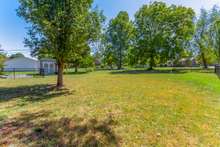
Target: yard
{"x": 119, "y": 108}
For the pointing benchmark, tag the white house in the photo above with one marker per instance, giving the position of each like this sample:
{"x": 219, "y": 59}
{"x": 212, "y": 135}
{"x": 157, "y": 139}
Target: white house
{"x": 21, "y": 64}
{"x": 45, "y": 66}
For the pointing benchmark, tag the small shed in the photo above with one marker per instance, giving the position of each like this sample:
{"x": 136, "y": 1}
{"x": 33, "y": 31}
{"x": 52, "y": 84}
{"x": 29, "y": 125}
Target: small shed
{"x": 49, "y": 66}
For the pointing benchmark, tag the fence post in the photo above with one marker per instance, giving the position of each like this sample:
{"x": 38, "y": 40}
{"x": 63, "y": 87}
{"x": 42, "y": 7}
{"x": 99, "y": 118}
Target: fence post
{"x": 42, "y": 72}
{"x": 217, "y": 70}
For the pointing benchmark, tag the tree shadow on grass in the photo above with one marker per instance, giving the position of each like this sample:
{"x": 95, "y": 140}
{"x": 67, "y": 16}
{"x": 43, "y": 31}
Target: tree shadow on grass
{"x": 31, "y": 93}
{"x": 148, "y": 72}
{"x": 77, "y": 73}
{"x": 163, "y": 71}
{"x": 34, "y": 129}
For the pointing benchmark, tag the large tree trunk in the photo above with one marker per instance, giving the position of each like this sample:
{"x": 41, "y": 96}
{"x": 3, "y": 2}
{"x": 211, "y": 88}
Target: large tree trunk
{"x": 120, "y": 60}
{"x": 151, "y": 63}
{"x": 111, "y": 66}
{"x": 76, "y": 69}
{"x": 119, "y": 66}
{"x": 60, "y": 75}
{"x": 204, "y": 61}
{"x": 120, "y": 63}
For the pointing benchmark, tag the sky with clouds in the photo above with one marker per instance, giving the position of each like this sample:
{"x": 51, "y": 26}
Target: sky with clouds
{"x": 12, "y": 28}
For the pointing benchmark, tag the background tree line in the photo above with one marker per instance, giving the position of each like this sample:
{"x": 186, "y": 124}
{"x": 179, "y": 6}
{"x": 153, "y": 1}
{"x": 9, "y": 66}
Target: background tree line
{"x": 74, "y": 33}
{"x": 162, "y": 35}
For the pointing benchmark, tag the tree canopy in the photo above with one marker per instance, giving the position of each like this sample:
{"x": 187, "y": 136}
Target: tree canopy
{"x": 214, "y": 30}
{"x": 71, "y": 31}
{"x": 60, "y": 29}
{"x": 162, "y": 32}
{"x": 119, "y": 39}
{"x": 201, "y": 38}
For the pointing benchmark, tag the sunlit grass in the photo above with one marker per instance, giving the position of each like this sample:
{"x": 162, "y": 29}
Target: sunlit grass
{"x": 149, "y": 109}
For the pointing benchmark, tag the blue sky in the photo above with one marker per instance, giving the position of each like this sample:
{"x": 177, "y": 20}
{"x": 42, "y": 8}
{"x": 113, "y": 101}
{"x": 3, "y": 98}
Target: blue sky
{"x": 12, "y": 28}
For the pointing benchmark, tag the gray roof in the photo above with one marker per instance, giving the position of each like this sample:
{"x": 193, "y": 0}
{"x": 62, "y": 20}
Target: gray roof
{"x": 8, "y": 59}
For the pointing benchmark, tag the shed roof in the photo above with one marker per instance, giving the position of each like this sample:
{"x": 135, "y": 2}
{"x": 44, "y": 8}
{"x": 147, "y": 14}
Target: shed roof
{"x": 47, "y": 60}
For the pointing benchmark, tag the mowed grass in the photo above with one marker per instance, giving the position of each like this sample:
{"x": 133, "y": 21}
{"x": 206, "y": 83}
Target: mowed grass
{"x": 107, "y": 108}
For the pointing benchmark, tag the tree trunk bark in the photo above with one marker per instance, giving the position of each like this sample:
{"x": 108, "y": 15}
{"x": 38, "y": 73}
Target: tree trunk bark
{"x": 204, "y": 61}
{"x": 60, "y": 76}
{"x": 151, "y": 63}
{"x": 119, "y": 67}
{"x": 120, "y": 63}
{"x": 111, "y": 66}
{"x": 76, "y": 69}
{"x": 120, "y": 59}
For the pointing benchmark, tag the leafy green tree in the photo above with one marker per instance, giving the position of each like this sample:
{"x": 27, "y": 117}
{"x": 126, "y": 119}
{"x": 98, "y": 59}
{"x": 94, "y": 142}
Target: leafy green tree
{"x": 149, "y": 23}
{"x": 179, "y": 30}
{"x": 109, "y": 58}
{"x": 88, "y": 61}
{"x": 162, "y": 32}
{"x": 59, "y": 28}
{"x": 215, "y": 30}
{"x": 202, "y": 39}
{"x": 119, "y": 36}
{"x": 81, "y": 61}
{"x": 106, "y": 52}
{"x": 77, "y": 57}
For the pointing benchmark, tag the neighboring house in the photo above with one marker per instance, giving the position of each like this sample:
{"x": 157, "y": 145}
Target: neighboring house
{"x": 188, "y": 62}
{"x": 45, "y": 66}
{"x": 21, "y": 64}
{"x": 183, "y": 62}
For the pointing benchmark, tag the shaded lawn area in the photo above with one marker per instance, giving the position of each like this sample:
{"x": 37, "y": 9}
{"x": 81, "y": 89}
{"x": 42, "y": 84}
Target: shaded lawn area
{"x": 112, "y": 109}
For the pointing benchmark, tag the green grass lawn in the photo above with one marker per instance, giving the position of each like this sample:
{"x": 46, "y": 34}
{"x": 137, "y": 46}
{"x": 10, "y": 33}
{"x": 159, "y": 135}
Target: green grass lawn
{"x": 107, "y": 108}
